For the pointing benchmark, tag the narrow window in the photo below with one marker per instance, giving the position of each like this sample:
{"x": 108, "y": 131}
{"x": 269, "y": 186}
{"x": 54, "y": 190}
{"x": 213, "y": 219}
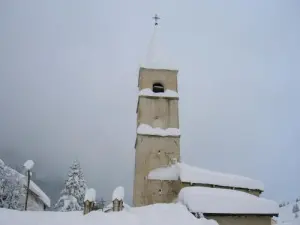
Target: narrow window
{"x": 158, "y": 87}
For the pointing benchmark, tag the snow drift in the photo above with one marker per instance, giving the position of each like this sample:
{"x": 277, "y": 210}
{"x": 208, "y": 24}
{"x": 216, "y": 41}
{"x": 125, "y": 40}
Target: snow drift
{"x": 159, "y": 214}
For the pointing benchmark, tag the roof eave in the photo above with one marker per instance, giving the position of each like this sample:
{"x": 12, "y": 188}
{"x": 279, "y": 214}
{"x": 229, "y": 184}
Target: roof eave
{"x": 240, "y": 214}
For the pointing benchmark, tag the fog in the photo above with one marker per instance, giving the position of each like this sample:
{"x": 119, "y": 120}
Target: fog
{"x": 68, "y": 87}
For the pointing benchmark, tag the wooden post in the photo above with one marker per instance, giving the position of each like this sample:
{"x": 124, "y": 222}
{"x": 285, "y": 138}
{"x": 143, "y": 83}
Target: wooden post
{"x": 27, "y": 193}
{"x": 88, "y": 206}
{"x": 117, "y": 205}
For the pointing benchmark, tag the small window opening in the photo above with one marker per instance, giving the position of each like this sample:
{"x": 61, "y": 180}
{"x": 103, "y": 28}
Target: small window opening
{"x": 158, "y": 87}
{"x": 159, "y": 191}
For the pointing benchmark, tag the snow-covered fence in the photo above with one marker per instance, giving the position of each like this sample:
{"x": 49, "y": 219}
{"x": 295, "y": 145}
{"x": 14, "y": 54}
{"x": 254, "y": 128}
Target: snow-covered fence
{"x": 89, "y": 200}
{"x": 117, "y": 199}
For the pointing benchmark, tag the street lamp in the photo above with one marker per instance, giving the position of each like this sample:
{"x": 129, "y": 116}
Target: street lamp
{"x": 28, "y": 165}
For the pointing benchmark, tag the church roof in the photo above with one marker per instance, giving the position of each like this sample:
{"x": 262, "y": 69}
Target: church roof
{"x": 157, "y": 57}
{"x": 196, "y": 175}
{"x": 223, "y": 201}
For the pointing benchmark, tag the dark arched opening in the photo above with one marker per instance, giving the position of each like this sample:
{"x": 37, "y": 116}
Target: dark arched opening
{"x": 158, "y": 87}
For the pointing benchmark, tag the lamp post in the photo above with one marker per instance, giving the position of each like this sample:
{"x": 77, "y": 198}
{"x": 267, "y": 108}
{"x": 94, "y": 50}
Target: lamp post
{"x": 28, "y": 165}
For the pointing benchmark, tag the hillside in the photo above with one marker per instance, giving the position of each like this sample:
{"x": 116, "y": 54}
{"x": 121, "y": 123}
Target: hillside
{"x": 289, "y": 213}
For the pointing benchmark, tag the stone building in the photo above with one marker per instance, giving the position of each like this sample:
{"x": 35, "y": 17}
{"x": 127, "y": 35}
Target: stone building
{"x": 161, "y": 177}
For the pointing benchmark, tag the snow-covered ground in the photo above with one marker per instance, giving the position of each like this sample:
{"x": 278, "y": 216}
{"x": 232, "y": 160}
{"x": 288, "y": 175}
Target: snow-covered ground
{"x": 159, "y": 214}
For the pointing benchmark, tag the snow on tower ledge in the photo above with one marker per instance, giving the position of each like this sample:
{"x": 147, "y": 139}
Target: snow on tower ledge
{"x": 158, "y": 214}
{"x": 167, "y": 93}
{"x": 156, "y": 57}
{"x": 145, "y": 129}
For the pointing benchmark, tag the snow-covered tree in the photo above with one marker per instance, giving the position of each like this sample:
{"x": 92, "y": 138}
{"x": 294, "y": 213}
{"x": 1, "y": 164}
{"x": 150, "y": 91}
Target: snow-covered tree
{"x": 11, "y": 188}
{"x": 296, "y": 208}
{"x": 67, "y": 203}
{"x": 72, "y": 196}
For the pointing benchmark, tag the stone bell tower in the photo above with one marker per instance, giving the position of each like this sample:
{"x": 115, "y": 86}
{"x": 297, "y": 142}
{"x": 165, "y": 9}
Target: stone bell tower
{"x": 158, "y": 137}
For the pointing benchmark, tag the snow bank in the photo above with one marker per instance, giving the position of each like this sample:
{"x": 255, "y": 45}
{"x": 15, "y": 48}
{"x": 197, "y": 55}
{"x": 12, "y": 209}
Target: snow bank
{"x": 118, "y": 193}
{"x": 295, "y": 221}
{"x": 109, "y": 207}
{"x": 191, "y": 174}
{"x": 223, "y": 201}
{"x": 167, "y": 93}
{"x": 159, "y": 214}
{"x": 29, "y": 165}
{"x": 90, "y": 195}
{"x": 145, "y": 129}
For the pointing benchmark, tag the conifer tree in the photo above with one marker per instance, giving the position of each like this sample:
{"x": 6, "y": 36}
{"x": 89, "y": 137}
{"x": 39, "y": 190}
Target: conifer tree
{"x": 72, "y": 196}
{"x": 11, "y": 189}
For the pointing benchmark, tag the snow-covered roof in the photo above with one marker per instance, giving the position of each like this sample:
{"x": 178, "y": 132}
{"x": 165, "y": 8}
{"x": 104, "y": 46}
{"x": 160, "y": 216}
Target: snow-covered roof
{"x": 90, "y": 195}
{"x": 156, "y": 57}
{"x": 223, "y": 201}
{"x": 35, "y": 189}
{"x": 191, "y": 174}
{"x": 118, "y": 193}
{"x": 32, "y": 186}
{"x": 167, "y": 93}
{"x": 159, "y": 214}
{"x": 29, "y": 165}
{"x": 145, "y": 129}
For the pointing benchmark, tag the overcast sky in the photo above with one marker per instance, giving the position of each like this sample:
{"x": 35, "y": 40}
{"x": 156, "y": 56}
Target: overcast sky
{"x": 68, "y": 86}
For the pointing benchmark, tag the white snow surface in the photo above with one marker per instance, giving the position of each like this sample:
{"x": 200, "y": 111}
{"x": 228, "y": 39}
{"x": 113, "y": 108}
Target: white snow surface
{"x": 159, "y": 214}
{"x": 109, "y": 207}
{"x": 29, "y": 165}
{"x": 224, "y": 201}
{"x": 118, "y": 193}
{"x": 157, "y": 57}
{"x": 167, "y": 93}
{"x": 196, "y": 175}
{"x": 146, "y": 129}
{"x": 90, "y": 195}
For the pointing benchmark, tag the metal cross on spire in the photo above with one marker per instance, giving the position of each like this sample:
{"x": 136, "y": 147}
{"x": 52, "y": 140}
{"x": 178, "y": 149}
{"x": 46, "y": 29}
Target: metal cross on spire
{"x": 156, "y": 18}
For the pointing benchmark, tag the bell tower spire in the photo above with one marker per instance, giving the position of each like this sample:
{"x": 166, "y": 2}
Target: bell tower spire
{"x": 156, "y": 18}
{"x": 157, "y": 136}
{"x": 156, "y": 56}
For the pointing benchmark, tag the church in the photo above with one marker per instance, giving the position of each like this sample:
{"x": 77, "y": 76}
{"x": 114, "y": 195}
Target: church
{"x": 161, "y": 177}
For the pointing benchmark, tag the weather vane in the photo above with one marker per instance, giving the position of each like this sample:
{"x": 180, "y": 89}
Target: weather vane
{"x": 156, "y": 18}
